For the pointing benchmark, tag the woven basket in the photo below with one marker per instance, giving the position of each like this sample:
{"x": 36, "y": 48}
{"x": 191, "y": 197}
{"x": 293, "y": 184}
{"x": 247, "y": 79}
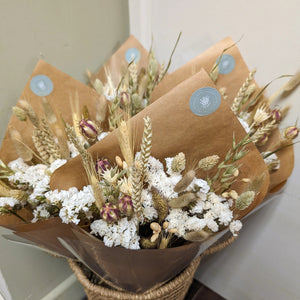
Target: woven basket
{"x": 174, "y": 289}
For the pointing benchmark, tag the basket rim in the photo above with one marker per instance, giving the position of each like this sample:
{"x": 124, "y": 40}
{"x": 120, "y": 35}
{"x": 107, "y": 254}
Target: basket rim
{"x": 153, "y": 292}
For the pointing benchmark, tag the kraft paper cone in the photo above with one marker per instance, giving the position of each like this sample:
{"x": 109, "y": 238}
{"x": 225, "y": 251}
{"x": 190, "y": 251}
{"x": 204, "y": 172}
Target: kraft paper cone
{"x": 117, "y": 63}
{"x": 133, "y": 270}
{"x": 7, "y": 220}
{"x": 206, "y": 60}
{"x": 176, "y": 129}
{"x": 64, "y": 86}
{"x": 44, "y": 234}
{"x": 232, "y": 81}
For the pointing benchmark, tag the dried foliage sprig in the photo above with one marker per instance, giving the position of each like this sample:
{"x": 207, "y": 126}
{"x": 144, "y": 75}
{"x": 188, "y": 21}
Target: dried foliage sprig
{"x": 227, "y": 169}
{"x": 160, "y": 204}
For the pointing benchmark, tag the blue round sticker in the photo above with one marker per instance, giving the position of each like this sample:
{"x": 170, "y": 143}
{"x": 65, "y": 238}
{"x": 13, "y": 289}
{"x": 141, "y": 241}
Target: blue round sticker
{"x": 132, "y": 54}
{"x": 41, "y": 85}
{"x": 205, "y": 101}
{"x": 226, "y": 64}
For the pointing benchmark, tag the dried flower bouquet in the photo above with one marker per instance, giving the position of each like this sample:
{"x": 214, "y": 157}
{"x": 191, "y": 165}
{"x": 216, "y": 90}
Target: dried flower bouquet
{"x": 137, "y": 172}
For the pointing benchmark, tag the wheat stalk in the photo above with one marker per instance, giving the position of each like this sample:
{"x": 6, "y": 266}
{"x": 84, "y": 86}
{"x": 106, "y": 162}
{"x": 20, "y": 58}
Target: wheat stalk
{"x": 146, "y": 145}
{"x": 125, "y": 143}
{"x": 137, "y": 188}
{"x": 242, "y": 91}
{"x": 49, "y": 142}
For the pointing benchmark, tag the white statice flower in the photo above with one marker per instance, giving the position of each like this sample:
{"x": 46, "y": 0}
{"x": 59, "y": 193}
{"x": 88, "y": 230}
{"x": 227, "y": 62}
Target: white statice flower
{"x": 8, "y": 202}
{"x": 212, "y": 225}
{"x": 40, "y": 213}
{"x": 235, "y": 227}
{"x": 157, "y": 178}
{"x": 199, "y": 183}
{"x": 195, "y": 224}
{"x": 198, "y": 207}
{"x": 244, "y": 122}
{"x": 222, "y": 212}
{"x": 72, "y": 203}
{"x": 102, "y": 135}
{"x": 150, "y": 213}
{"x": 272, "y": 160}
{"x": 123, "y": 233}
{"x": 177, "y": 219}
{"x": 18, "y": 165}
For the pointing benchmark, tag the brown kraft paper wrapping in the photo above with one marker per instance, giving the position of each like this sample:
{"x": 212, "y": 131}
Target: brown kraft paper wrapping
{"x": 176, "y": 129}
{"x": 232, "y": 81}
{"x": 64, "y": 86}
{"x": 133, "y": 270}
{"x": 118, "y": 62}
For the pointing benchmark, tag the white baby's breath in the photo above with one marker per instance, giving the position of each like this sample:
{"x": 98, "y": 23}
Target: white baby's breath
{"x": 235, "y": 227}
{"x": 8, "y": 202}
{"x": 123, "y": 233}
{"x": 40, "y": 213}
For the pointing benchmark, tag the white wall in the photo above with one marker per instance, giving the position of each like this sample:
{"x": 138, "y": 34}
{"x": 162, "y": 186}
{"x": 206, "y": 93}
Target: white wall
{"x": 264, "y": 263}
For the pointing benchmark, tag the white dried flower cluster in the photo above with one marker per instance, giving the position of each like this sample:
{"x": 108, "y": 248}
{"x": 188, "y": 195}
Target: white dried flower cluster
{"x": 35, "y": 177}
{"x": 8, "y": 202}
{"x": 149, "y": 212}
{"x": 210, "y": 210}
{"x": 72, "y": 203}
{"x": 272, "y": 160}
{"x": 157, "y": 178}
{"x": 124, "y": 233}
{"x": 40, "y": 213}
{"x": 235, "y": 227}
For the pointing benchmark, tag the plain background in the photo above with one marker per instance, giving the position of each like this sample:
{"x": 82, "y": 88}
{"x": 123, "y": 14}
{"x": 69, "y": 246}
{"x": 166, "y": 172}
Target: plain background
{"x": 74, "y": 35}
{"x": 264, "y": 263}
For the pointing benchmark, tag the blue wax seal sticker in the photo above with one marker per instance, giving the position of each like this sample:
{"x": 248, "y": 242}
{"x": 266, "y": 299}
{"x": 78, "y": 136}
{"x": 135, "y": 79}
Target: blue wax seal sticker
{"x": 41, "y": 85}
{"x": 205, "y": 101}
{"x": 226, "y": 64}
{"x": 132, "y": 54}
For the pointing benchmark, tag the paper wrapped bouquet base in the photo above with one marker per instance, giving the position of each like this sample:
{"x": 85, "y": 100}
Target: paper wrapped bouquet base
{"x": 174, "y": 289}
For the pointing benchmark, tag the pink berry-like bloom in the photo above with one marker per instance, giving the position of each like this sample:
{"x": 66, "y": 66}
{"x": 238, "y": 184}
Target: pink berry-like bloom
{"x": 291, "y": 132}
{"x": 109, "y": 213}
{"x": 126, "y": 205}
{"x": 89, "y": 129}
{"x": 102, "y": 165}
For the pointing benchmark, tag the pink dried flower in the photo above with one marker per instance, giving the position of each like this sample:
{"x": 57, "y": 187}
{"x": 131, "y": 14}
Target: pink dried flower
{"x": 124, "y": 98}
{"x": 102, "y": 165}
{"x": 291, "y": 132}
{"x": 262, "y": 140}
{"x": 89, "y": 129}
{"x": 126, "y": 205}
{"x": 276, "y": 115}
{"x": 109, "y": 213}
